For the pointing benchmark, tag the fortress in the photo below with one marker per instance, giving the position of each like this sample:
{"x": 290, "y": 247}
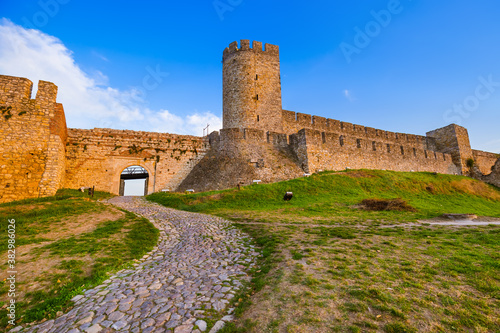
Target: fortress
{"x": 259, "y": 140}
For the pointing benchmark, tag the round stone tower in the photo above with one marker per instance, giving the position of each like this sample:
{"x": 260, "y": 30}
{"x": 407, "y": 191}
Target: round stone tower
{"x": 252, "y": 87}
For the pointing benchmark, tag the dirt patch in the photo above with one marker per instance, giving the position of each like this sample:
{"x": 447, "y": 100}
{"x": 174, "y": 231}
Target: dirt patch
{"x": 213, "y": 197}
{"x": 82, "y": 224}
{"x": 35, "y": 270}
{"x": 387, "y": 204}
{"x": 359, "y": 174}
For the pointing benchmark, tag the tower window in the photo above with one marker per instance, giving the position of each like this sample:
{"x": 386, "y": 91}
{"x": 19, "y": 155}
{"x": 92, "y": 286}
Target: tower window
{"x": 256, "y": 76}
{"x": 323, "y": 137}
{"x": 374, "y": 145}
{"x": 358, "y": 143}
{"x": 414, "y": 152}
{"x": 257, "y": 97}
{"x": 258, "y": 118}
{"x": 341, "y": 139}
{"x": 402, "y": 150}
{"x": 388, "y": 148}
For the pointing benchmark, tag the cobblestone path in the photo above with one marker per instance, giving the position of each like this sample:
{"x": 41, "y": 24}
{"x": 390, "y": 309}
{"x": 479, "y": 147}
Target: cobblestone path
{"x": 197, "y": 267}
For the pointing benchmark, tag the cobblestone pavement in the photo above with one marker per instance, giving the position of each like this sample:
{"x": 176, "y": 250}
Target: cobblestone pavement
{"x": 197, "y": 266}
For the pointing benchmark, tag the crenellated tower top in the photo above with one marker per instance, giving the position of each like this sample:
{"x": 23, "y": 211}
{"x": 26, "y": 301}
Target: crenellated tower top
{"x": 269, "y": 49}
{"x": 252, "y": 87}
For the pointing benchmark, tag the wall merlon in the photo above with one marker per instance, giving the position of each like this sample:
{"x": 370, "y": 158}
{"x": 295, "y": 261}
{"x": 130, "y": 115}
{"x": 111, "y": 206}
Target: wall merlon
{"x": 269, "y": 49}
{"x": 288, "y": 116}
{"x": 46, "y": 93}
{"x": 333, "y": 125}
{"x": 245, "y": 44}
{"x": 319, "y": 123}
{"x": 304, "y": 120}
{"x": 257, "y": 46}
{"x": 14, "y": 90}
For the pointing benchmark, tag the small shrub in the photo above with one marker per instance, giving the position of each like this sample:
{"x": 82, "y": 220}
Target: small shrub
{"x": 387, "y": 204}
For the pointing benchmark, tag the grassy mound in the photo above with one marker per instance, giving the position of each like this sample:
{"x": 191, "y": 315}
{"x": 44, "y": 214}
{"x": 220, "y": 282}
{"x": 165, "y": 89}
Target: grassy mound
{"x": 65, "y": 244}
{"x": 331, "y": 265}
{"x": 334, "y": 197}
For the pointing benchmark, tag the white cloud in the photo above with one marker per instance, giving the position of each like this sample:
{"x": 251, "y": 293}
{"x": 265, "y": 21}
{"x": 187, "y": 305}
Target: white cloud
{"x": 348, "y": 95}
{"x": 88, "y": 100}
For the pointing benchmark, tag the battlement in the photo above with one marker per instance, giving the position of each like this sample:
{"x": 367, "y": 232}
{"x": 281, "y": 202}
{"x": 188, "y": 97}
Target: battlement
{"x": 269, "y": 49}
{"x": 13, "y": 89}
{"x": 293, "y": 122}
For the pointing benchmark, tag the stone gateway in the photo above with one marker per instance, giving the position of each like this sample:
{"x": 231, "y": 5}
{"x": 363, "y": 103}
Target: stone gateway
{"x": 259, "y": 140}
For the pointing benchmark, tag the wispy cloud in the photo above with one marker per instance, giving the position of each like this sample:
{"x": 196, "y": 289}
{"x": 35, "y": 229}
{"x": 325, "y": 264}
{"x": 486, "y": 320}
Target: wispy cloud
{"x": 348, "y": 95}
{"x": 100, "y": 56}
{"x": 88, "y": 99}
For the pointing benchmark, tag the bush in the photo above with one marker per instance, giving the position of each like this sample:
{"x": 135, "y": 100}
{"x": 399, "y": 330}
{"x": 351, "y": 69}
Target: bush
{"x": 387, "y": 204}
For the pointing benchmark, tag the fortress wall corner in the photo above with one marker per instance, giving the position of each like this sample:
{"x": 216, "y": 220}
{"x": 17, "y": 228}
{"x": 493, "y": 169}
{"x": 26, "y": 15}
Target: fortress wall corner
{"x": 32, "y": 139}
{"x": 453, "y": 140}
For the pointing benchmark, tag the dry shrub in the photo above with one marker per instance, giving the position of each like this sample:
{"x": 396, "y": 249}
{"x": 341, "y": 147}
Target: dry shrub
{"x": 359, "y": 174}
{"x": 387, "y": 204}
{"x": 474, "y": 187}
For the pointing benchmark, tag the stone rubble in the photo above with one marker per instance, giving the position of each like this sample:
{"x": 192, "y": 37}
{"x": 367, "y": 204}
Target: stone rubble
{"x": 197, "y": 267}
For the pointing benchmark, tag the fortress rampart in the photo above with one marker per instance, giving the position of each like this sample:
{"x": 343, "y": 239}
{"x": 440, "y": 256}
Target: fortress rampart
{"x": 100, "y": 155}
{"x": 31, "y": 135}
{"x": 259, "y": 140}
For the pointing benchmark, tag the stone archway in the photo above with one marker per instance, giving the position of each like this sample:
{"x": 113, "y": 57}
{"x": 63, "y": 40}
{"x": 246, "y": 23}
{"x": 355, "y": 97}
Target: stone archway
{"x": 131, "y": 173}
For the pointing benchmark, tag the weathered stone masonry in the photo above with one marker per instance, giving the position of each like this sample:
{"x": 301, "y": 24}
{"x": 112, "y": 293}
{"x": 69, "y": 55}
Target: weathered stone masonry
{"x": 39, "y": 155}
{"x": 259, "y": 140}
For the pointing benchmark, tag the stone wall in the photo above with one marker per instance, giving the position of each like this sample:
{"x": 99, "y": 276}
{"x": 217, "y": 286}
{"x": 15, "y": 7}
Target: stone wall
{"x": 294, "y": 122}
{"x": 252, "y": 87}
{"x": 484, "y": 160}
{"x": 454, "y": 140}
{"x": 319, "y": 151}
{"x": 97, "y": 157}
{"x": 241, "y": 156}
{"x": 32, "y": 140}
{"x": 494, "y": 176}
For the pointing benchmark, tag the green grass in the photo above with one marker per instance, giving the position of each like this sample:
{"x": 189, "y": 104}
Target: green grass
{"x": 360, "y": 276}
{"x": 80, "y": 260}
{"x": 328, "y": 198}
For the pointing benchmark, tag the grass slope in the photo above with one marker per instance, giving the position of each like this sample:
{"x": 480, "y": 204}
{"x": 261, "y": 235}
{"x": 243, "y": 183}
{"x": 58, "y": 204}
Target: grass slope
{"x": 328, "y": 266}
{"x": 331, "y": 198}
{"x": 66, "y": 244}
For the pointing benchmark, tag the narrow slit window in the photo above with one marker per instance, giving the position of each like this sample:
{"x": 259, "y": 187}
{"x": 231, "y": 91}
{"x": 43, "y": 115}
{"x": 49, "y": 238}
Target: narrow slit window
{"x": 358, "y": 143}
{"x": 374, "y": 146}
{"x": 341, "y": 140}
{"x": 402, "y": 150}
{"x": 425, "y": 153}
{"x": 256, "y": 77}
{"x": 414, "y": 152}
{"x": 258, "y": 118}
{"x": 323, "y": 137}
{"x": 388, "y": 148}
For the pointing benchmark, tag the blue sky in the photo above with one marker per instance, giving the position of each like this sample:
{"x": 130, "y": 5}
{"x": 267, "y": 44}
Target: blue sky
{"x": 404, "y": 66}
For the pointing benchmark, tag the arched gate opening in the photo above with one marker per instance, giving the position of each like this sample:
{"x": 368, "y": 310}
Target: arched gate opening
{"x": 134, "y": 181}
